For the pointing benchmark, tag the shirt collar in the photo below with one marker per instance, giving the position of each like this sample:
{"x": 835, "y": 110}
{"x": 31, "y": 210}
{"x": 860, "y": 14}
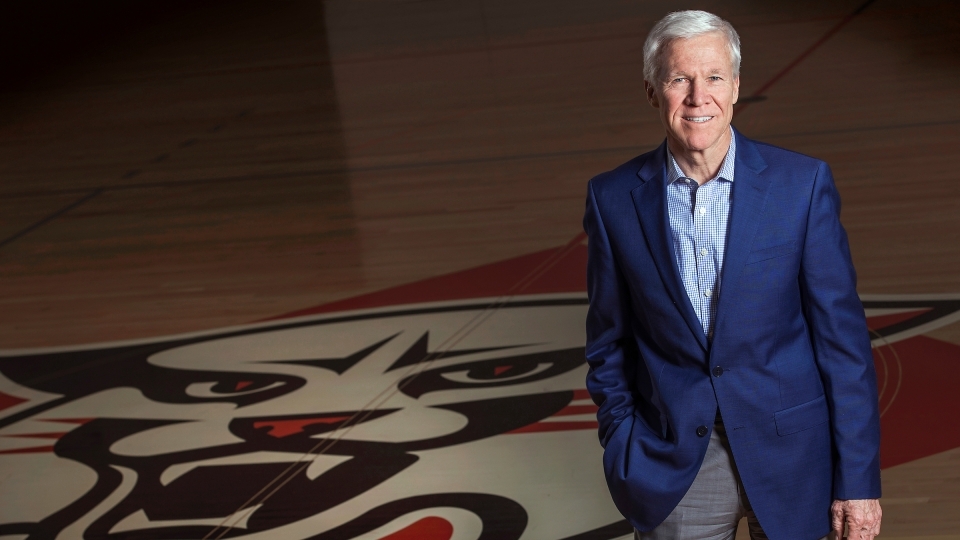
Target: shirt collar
{"x": 726, "y": 168}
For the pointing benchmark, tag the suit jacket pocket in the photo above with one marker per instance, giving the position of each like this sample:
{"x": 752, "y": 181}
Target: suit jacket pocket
{"x": 802, "y": 416}
{"x": 771, "y": 252}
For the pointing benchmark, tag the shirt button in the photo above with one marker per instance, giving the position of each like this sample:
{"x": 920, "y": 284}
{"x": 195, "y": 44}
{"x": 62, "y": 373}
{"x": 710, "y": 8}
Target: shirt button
{"x": 703, "y": 210}
{"x": 702, "y": 431}
{"x": 707, "y": 293}
{"x": 703, "y": 252}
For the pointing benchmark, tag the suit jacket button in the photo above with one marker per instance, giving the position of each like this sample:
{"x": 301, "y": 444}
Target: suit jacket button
{"x": 702, "y": 431}
{"x": 717, "y": 371}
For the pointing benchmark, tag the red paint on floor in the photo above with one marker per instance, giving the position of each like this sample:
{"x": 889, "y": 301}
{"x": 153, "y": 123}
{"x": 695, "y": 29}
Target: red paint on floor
{"x": 285, "y": 428}
{"x": 541, "y": 427}
{"x": 883, "y": 321}
{"x": 925, "y": 413}
{"x": 583, "y": 393}
{"x": 31, "y": 450}
{"x": 38, "y": 435}
{"x": 7, "y": 401}
{"x": 571, "y": 410}
{"x": 428, "y": 528}
{"x": 556, "y": 270}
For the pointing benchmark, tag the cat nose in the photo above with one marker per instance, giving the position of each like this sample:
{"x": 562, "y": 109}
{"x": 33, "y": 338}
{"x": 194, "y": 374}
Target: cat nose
{"x": 280, "y": 428}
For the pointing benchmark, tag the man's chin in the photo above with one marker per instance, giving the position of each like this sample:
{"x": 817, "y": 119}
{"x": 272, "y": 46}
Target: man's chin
{"x": 698, "y": 142}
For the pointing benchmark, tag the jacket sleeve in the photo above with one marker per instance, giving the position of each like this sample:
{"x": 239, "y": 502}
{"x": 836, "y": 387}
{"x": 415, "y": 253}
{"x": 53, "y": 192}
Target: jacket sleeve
{"x": 841, "y": 343}
{"x": 608, "y": 325}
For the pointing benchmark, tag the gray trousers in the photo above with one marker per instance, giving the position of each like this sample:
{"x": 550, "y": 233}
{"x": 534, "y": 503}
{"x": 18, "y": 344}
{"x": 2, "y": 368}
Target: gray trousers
{"x": 715, "y": 503}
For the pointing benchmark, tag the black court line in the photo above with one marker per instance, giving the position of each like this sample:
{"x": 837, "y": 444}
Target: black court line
{"x": 51, "y": 217}
{"x": 633, "y": 150}
{"x": 843, "y": 131}
{"x": 413, "y": 56}
{"x": 753, "y": 98}
{"x": 758, "y": 93}
{"x": 101, "y": 189}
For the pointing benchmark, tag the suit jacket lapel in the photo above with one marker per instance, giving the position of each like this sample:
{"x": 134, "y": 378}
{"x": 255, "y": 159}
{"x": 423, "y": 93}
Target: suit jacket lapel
{"x": 650, "y": 200}
{"x": 749, "y": 196}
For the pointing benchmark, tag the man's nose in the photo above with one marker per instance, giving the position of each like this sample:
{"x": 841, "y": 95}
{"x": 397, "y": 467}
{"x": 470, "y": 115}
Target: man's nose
{"x": 698, "y": 95}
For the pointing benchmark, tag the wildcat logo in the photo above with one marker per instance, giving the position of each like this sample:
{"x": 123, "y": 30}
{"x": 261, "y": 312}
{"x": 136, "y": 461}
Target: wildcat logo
{"x": 439, "y": 421}
{"x": 414, "y": 421}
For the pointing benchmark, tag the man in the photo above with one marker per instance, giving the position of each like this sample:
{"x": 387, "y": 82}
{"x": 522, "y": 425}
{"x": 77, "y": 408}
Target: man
{"x": 728, "y": 349}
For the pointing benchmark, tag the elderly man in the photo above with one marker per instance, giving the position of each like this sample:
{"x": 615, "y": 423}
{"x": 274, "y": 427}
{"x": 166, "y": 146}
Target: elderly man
{"x": 728, "y": 349}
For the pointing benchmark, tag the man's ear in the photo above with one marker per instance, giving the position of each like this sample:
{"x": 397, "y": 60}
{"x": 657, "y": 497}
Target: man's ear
{"x": 736, "y": 89}
{"x": 651, "y": 95}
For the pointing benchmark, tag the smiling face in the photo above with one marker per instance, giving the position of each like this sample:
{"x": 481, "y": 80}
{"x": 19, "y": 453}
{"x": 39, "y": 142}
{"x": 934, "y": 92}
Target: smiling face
{"x": 695, "y": 95}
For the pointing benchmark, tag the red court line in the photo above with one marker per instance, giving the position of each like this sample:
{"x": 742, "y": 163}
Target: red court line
{"x": 487, "y": 281}
{"x": 31, "y": 450}
{"x": 581, "y": 394}
{"x": 79, "y": 421}
{"x": 572, "y": 410}
{"x": 541, "y": 427}
{"x": 50, "y": 435}
{"x": 881, "y": 321}
{"x": 7, "y": 401}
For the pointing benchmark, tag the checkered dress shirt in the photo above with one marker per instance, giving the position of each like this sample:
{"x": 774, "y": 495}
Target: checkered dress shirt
{"x": 698, "y": 222}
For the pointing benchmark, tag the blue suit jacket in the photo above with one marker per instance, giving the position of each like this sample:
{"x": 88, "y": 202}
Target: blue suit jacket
{"x": 797, "y": 393}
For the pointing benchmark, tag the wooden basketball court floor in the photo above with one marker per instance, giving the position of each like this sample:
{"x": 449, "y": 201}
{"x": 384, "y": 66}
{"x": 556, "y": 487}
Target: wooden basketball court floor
{"x": 314, "y": 269}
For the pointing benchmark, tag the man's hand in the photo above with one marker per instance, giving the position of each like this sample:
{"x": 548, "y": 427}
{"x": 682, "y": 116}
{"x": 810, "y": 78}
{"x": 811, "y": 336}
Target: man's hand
{"x": 862, "y": 518}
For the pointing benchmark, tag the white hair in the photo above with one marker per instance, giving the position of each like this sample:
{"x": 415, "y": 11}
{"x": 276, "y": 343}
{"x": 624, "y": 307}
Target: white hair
{"x": 685, "y": 25}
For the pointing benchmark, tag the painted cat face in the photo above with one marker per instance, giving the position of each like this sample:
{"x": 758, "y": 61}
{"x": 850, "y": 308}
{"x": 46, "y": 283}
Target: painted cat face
{"x": 357, "y": 423}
